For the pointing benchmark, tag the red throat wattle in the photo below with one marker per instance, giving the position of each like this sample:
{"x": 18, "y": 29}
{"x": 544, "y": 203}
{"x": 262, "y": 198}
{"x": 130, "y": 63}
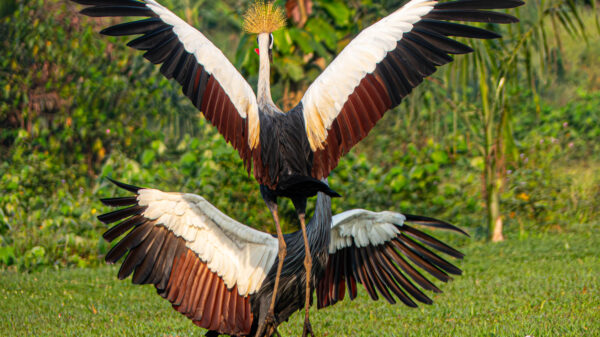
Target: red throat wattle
{"x": 257, "y": 51}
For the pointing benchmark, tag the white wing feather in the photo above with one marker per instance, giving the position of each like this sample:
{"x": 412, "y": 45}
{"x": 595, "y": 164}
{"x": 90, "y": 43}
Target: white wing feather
{"x": 326, "y": 96}
{"x": 360, "y": 228}
{"x": 238, "y": 254}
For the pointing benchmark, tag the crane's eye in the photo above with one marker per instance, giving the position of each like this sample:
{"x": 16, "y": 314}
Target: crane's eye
{"x": 257, "y": 40}
{"x": 270, "y": 41}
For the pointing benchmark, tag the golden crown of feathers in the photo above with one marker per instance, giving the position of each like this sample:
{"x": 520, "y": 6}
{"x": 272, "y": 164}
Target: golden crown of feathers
{"x": 263, "y": 17}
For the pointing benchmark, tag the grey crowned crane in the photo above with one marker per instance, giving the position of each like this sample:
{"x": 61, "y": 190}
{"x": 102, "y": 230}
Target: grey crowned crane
{"x": 221, "y": 273}
{"x": 292, "y": 151}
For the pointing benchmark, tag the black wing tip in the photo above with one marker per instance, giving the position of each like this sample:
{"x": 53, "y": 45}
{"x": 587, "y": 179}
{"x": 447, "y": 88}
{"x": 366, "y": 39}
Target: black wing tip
{"x": 119, "y": 201}
{"x": 130, "y": 188}
{"x": 478, "y": 4}
{"x": 105, "y": 201}
{"x": 102, "y": 218}
{"x": 104, "y": 221}
{"x": 412, "y": 305}
{"x": 432, "y": 222}
{"x": 84, "y": 11}
{"x": 492, "y": 35}
{"x": 517, "y": 3}
{"x": 109, "y": 2}
{"x": 85, "y": 2}
{"x": 468, "y": 50}
{"x": 108, "y": 32}
{"x": 107, "y": 237}
{"x": 91, "y": 12}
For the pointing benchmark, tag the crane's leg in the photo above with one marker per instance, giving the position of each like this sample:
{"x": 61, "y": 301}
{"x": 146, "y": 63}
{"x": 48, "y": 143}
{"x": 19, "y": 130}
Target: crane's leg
{"x": 300, "y": 205}
{"x": 308, "y": 266}
{"x": 268, "y": 325}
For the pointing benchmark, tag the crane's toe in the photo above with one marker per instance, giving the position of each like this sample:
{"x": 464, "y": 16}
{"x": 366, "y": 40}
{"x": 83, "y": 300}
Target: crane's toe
{"x": 268, "y": 326}
{"x": 272, "y": 331}
{"x": 307, "y": 330}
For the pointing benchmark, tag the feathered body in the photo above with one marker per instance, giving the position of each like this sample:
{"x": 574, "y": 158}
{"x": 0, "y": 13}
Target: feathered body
{"x": 291, "y": 293}
{"x": 285, "y": 150}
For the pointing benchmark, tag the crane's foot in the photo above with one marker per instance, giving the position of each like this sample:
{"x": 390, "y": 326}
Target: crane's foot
{"x": 307, "y": 331}
{"x": 269, "y": 326}
{"x": 272, "y": 329}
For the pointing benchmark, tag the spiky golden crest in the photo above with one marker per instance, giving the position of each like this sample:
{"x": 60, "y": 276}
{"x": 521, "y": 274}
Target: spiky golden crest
{"x": 263, "y": 17}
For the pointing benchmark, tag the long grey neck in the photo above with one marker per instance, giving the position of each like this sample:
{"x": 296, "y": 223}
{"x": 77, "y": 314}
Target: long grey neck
{"x": 319, "y": 227}
{"x": 264, "y": 72}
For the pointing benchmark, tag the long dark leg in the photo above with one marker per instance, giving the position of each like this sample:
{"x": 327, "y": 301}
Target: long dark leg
{"x": 268, "y": 325}
{"x": 308, "y": 266}
{"x": 281, "y": 256}
{"x": 300, "y": 205}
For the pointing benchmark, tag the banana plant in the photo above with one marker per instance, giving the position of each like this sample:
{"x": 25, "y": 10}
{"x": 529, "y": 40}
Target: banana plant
{"x": 525, "y": 54}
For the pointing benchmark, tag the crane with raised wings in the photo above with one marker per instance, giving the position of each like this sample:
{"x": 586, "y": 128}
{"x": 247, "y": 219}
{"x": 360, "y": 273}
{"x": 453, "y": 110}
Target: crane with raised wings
{"x": 292, "y": 151}
{"x": 221, "y": 273}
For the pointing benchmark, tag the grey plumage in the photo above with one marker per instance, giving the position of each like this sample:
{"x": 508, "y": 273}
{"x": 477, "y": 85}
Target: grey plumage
{"x": 290, "y": 296}
{"x": 285, "y": 150}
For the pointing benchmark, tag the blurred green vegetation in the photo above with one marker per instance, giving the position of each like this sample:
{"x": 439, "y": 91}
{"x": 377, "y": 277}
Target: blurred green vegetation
{"x": 76, "y": 106}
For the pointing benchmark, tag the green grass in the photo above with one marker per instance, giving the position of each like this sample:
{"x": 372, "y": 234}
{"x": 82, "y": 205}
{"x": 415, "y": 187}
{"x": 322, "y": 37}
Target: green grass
{"x": 545, "y": 285}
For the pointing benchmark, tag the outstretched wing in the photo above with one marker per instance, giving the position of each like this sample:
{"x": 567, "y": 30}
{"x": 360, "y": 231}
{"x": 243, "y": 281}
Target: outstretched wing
{"x": 205, "y": 263}
{"x": 382, "y": 65}
{"x": 208, "y": 79}
{"x": 374, "y": 249}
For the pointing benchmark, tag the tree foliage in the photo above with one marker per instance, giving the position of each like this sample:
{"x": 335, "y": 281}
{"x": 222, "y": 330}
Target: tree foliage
{"x": 76, "y": 107}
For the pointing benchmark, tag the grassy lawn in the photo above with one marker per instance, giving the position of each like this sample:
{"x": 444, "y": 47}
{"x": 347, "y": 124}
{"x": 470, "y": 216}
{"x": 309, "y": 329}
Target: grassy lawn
{"x": 547, "y": 285}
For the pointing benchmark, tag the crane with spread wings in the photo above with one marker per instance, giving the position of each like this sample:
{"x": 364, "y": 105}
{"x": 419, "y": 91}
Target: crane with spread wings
{"x": 221, "y": 273}
{"x": 291, "y": 152}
